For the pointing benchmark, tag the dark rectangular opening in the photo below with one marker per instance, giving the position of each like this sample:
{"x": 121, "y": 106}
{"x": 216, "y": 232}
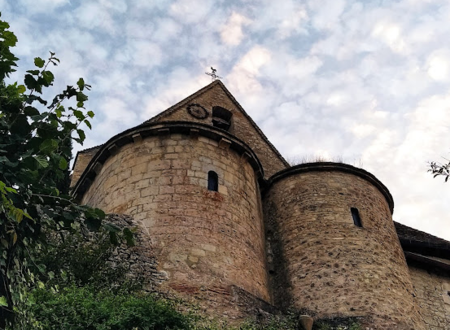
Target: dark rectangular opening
{"x": 221, "y": 117}
{"x": 213, "y": 181}
{"x": 356, "y": 217}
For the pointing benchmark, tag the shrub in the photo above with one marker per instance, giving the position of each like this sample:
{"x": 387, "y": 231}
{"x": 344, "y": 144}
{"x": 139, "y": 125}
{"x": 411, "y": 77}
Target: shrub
{"x": 85, "y": 308}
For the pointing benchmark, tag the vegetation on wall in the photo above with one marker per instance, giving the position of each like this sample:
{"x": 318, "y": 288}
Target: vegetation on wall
{"x": 35, "y": 149}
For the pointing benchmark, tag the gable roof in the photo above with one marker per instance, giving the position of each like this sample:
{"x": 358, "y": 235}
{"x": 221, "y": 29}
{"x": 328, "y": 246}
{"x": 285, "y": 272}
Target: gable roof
{"x": 218, "y": 83}
{"x": 424, "y": 248}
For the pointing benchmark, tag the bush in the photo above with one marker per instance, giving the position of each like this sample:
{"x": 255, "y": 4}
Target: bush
{"x": 85, "y": 308}
{"x": 81, "y": 259}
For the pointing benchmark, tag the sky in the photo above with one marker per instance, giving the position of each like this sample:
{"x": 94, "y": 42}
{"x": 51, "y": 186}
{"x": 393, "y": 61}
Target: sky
{"x": 363, "y": 82}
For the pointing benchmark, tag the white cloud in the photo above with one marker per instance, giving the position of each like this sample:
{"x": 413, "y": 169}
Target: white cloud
{"x": 326, "y": 14}
{"x": 293, "y": 23}
{"x": 244, "y": 73}
{"x": 119, "y": 6}
{"x": 167, "y": 30}
{"x": 363, "y": 130}
{"x": 188, "y": 11}
{"x": 179, "y": 84}
{"x": 41, "y": 6}
{"x": 94, "y": 16}
{"x": 287, "y": 18}
{"x": 438, "y": 65}
{"x": 231, "y": 33}
{"x": 391, "y": 34}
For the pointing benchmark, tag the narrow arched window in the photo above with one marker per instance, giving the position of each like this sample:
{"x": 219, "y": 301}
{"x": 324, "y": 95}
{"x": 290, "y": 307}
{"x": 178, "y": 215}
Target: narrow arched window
{"x": 213, "y": 181}
{"x": 356, "y": 217}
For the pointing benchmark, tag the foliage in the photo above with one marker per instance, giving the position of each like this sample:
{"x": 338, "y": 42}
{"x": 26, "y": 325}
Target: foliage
{"x": 268, "y": 322}
{"x": 340, "y": 323}
{"x": 35, "y": 149}
{"x": 438, "y": 169}
{"x": 80, "y": 308}
{"x": 285, "y": 322}
{"x": 84, "y": 258}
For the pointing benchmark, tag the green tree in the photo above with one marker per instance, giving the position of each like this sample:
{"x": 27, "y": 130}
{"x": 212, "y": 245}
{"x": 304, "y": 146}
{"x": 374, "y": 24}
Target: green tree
{"x": 35, "y": 147}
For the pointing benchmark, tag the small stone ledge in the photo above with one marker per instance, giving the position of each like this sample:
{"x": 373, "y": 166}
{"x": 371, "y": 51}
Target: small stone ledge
{"x": 137, "y": 137}
{"x": 113, "y": 149}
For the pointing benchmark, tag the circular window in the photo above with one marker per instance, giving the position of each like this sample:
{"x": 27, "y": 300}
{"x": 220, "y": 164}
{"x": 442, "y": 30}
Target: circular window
{"x": 197, "y": 111}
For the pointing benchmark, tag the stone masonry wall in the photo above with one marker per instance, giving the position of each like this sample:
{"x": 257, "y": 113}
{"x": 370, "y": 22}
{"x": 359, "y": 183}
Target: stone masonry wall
{"x": 139, "y": 261}
{"x": 83, "y": 159}
{"x": 320, "y": 261}
{"x": 433, "y": 295}
{"x": 205, "y": 241}
{"x": 241, "y": 126}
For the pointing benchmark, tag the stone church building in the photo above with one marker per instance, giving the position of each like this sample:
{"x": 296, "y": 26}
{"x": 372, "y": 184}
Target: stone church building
{"x": 235, "y": 227}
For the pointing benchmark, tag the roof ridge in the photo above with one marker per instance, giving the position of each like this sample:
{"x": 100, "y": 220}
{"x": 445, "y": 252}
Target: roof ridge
{"x": 428, "y": 236}
{"x": 252, "y": 122}
{"x": 174, "y": 107}
{"x": 90, "y": 148}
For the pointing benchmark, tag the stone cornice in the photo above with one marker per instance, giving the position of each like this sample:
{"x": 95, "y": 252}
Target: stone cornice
{"x": 143, "y": 131}
{"x": 332, "y": 167}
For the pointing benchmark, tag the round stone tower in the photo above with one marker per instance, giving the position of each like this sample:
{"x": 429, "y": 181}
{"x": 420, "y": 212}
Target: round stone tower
{"x": 194, "y": 188}
{"x": 333, "y": 249}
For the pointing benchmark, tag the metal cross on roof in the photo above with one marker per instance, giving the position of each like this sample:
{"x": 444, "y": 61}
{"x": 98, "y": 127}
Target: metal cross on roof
{"x": 213, "y": 74}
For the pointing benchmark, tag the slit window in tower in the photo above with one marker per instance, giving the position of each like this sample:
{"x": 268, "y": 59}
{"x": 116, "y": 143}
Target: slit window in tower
{"x": 356, "y": 217}
{"x": 221, "y": 117}
{"x": 213, "y": 181}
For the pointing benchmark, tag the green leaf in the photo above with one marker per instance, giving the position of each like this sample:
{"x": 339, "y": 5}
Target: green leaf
{"x": 30, "y": 82}
{"x": 93, "y": 224}
{"x": 129, "y": 237}
{"x": 4, "y": 242}
{"x": 48, "y": 77}
{"x": 31, "y": 111}
{"x": 48, "y": 146}
{"x": 21, "y": 89}
{"x": 100, "y": 213}
{"x": 91, "y": 114}
{"x": 3, "y": 301}
{"x": 39, "y": 62}
{"x": 9, "y": 38}
{"x": 42, "y": 161}
{"x": 88, "y": 124}
{"x": 110, "y": 227}
{"x": 11, "y": 190}
{"x": 79, "y": 115}
{"x": 113, "y": 238}
{"x": 81, "y": 134}
{"x": 62, "y": 163}
{"x": 80, "y": 84}
{"x": 34, "y": 72}
{"x": 81, "y": 97}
